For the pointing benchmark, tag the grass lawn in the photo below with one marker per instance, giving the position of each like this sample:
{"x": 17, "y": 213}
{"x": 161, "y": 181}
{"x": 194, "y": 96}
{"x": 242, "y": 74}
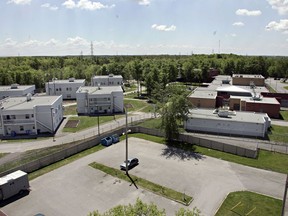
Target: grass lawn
{"x": 70, "y": 110}
{"x": 278, "y": 134}
{"x": 266, "y": 160}
{"x": 3, "y": 154}
{"x": 139, "y": 105}
{"x": 153, "y": 187}
{"x": 68, "y": 160}
{"x": 284, "y": 114}
{"x": 89, "y": 121}
{"x": 243, "y": 202}
{"x": 286, "y": 87}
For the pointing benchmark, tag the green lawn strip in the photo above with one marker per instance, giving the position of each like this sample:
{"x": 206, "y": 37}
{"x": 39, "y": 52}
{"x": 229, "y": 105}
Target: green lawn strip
{"x": 70, "y": 110}
{"x": 242, "y": 202}
{"x": 151, "y": 123}
{"x": 138, "y": 104}
{"x": 286, "y": 87}
{"x": 284, "y": 114}
{"x": 61, "y": 163}
{"x": 278, "y": 134}
{"x": 88, "y": 121}
{"x": 266, "y": 160}
{"x": 150, "y": 186}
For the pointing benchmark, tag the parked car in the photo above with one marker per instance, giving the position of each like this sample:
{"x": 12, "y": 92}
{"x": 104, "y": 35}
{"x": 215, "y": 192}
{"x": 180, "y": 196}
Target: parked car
{"x": 132, "y": 162}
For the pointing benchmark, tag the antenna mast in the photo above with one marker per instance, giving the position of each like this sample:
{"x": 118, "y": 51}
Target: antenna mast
{"x": 91, "y": 48}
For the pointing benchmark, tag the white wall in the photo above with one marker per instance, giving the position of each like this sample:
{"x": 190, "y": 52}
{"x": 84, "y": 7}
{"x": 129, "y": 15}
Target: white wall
{"x": 18, "y": 92}
{"x": 107, "y": 81}
{"x": 226, "y": 127}
{"x": 67, "y": 90}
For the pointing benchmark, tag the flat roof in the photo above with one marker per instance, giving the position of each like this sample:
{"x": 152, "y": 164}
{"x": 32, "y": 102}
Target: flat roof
{"x": 248, "y": 76}
{"x": 263, "y": 100}
{"x": 19, "y": 88}
{"x": 240, "y": 116}
{"x": 203, "y": 93}
{"x": 79, "y": 81}
{"x": 21, "y": 103}
{"x": 231, "y": 88}
{"x": 12, "y": 176}
{"x": 102, "y": 90}
{"x": 107, "y": 76}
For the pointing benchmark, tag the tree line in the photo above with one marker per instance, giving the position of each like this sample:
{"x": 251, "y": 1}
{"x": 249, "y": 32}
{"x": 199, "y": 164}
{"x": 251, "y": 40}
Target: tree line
{"x": 155, "y": 72}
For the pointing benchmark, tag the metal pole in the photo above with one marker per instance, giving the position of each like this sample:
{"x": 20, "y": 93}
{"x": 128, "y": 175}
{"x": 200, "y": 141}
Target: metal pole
{"x": 98, "y": 126}
{"x": 284, "y": 198}
{"x": 126, "y": 131}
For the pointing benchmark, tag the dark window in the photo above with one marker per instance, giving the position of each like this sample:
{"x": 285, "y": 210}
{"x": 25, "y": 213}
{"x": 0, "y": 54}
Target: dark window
{"x": 21, "y": 128}
{"x": 27, "y": 116}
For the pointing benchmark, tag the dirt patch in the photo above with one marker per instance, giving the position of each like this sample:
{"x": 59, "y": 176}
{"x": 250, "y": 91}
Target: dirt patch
{"x": 72, "y": 124}
{"x": 128, "y": 105}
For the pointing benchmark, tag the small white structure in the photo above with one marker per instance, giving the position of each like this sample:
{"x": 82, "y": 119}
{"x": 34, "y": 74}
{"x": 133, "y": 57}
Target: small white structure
{"x": 30, "y": 115}
{"x": 107, "y": 80}
{"x": 224, "y": 121}
{"x": 66, "y": 88}
{"x": 16, "y": 90}
{"x": 99, "y": 100}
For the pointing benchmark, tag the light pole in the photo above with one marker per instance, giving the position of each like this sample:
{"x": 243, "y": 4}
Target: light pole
{"x": 126, "y": 131}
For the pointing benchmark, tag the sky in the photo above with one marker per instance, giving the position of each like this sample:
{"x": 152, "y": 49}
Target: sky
{"x": 143, "y": 27}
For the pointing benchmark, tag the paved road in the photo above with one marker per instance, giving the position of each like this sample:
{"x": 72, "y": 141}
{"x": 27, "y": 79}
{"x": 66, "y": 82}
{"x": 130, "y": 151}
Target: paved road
{"x": 277, "y": 85}
{"x": 76, "y": 189}
{"x": 61, "y": 138}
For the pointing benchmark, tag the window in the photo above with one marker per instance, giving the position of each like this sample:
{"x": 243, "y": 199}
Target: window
{"x": 56, "y": 89}
{"x": 67, "y": 89}
{"x": 32, "y": 115}
{"x": 21, "y": 128}
{"x": 108, "y": 99}
{"x": 13, "y": 117}
{"x": 60, "y": 89}
{"x": 27, "y": 116}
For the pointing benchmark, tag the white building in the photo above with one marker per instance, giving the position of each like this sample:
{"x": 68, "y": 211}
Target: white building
{"x": 92, "y": 100}
{"x": 228, "y": 122}
{"x": 66, "y": 88}
{"x": 16, "y": 90}
{"x": 107, "y": 80}
{"x": 30, "y": 115}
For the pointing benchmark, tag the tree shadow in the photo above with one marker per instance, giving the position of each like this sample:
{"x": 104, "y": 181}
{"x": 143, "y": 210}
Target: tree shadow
{"x": 183, "y": 151}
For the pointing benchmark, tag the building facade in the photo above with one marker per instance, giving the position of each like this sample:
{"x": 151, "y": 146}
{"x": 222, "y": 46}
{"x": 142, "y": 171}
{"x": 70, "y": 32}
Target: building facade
{"x": 30, "y": 115}
{"x": 66, "y": 88}
{"x": 107, "y": 80}
{"x": 16, "y": 90}
{"x": 92, "y": 100}
{"x": 248, "y": 79}
{"x": 228, "y": 122}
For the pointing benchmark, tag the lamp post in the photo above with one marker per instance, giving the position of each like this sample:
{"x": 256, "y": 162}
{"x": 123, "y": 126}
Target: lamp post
{"x": 126, "y": 131}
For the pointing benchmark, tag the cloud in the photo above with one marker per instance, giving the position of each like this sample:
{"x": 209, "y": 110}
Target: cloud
{"x": 163, "y": 27}
{"x": 144, "y": 2}
{"x": 233, "y": 35}
{"x": 47, "y": 5}
{"x": 238, "y": 24}
{"x": 245, "y": 12}
{"x": 19, "y": 2}
{"x": 77, "y": 41}
{"x": 280, "y": 5}
{"x": 85, "y": 5}
{"x": 281, "y": 26}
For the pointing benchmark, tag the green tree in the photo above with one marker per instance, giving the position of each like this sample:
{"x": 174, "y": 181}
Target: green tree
{"x": 143, "y": 209}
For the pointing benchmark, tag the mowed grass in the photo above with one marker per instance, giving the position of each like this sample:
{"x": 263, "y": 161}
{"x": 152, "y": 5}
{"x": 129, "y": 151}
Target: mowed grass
{"x": 278, "y": 134}
{"x": 245, "y": 203}
{"x": 286, "y": 87}
{"x": 89, "y": 121}
{"x": 70, "y": 110}
{"x": 284, "y": 114}
{"x": 148, "y": 185}
{"x": 138, "y": 105}
{"x": 266, "y": 160}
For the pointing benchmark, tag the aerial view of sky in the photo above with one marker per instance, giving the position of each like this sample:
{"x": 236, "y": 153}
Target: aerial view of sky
{"x": 143, "y": 27}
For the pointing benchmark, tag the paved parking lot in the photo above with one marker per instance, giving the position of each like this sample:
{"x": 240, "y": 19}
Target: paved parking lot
{"x": 77, "y": 189}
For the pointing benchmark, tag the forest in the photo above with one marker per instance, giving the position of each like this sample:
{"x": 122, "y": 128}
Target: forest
{"x": 152, "y": 71}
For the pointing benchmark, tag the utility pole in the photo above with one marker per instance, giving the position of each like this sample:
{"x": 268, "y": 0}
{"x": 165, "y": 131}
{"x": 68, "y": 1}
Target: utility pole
{"x": 91, "y": 49}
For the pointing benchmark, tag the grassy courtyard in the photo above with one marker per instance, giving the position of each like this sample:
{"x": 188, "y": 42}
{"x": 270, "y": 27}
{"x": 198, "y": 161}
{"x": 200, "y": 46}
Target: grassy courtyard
{"x": 246, "y": 203}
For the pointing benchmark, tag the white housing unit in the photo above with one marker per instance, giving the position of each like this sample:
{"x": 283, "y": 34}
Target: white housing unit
{"x": 30, "y": 115}
{"x": 66, "y": 88}
{"x": 99, "y": 100}
{"x": 107, "y": 80}
{"x": 16, "y": 90}
{"x": 240, "y": 123}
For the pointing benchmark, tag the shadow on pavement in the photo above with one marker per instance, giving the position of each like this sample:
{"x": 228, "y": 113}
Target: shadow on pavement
{"x": 183, "y": 152}
{"x": 14, "y": 198}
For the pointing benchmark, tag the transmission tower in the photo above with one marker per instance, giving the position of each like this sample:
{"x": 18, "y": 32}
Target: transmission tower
{"x": 91, "y": 48}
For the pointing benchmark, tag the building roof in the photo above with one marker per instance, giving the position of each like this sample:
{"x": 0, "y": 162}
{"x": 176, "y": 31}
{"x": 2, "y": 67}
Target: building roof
{"x": 107, "y": 76}
{"x": 12, "y": 176}
{"x": 231, "y": 88}
{"x": 240, "y": 116}
{"x": 21, "y": 103}
{"x": 263, "y": 100}
{"x": 203, "y": 93}
{"x": 259, "y": 76}
{"x": 102, "y": 90}
{"x": 16, "y": 87}
{"x": 67, "y": 81}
